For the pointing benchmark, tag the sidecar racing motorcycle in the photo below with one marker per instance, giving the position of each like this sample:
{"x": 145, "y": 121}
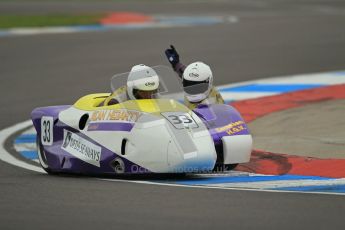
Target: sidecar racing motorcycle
{"x": 158, "y": 135}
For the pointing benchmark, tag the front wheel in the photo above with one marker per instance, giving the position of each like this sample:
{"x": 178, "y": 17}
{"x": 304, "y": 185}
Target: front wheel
{"x": 42, "y": 156}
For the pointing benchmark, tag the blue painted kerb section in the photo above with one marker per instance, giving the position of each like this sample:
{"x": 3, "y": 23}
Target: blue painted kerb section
{"x": 317, "y": 188}
{"x": 242, "y": 179}
{"x": 29, "y": 154}
{"x": 25, "y": 138}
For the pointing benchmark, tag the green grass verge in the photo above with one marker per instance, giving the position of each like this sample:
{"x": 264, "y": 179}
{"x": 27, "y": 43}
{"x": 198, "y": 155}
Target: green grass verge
{"x": 13, "y": 21}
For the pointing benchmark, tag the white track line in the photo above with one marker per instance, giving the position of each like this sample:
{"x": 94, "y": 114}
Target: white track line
{"x": 25, "y": 147}
{"x": 6, "y": 156}
{"x": 237, "y": 96}
{"x": 328, "y": 78}
{"x": 281, "y": 183}
{"x": 220, "y": 188}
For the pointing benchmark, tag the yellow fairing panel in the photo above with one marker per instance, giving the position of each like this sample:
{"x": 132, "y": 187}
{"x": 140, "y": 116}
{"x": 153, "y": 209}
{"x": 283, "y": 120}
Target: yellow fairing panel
{"x": 91, "y": 102}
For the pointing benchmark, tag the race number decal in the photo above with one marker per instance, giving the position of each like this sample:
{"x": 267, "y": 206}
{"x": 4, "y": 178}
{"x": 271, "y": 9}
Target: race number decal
{"x": 47, "y": 130}
{"x": 180, "y": 120}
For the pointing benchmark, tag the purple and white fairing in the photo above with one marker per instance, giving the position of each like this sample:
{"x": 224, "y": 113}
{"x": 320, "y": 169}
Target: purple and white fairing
{"x": 62, "y": 161}
{"x": 230, "y": 133}
{"x": 151, "y": 144}
{"x": 217, "y": 116}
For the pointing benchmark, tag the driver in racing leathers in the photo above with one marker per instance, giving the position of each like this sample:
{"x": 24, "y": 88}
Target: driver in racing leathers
{"x": 142, "y": 83}
{"x": 197, "y": 81}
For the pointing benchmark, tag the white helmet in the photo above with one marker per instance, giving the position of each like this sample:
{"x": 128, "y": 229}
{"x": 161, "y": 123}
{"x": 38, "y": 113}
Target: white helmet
{"x": 197, "y": 81}
{"x": 142, "y": 82}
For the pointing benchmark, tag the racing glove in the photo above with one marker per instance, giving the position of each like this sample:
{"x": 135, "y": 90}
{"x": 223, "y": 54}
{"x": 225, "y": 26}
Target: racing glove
{"x": 173, "y": 56}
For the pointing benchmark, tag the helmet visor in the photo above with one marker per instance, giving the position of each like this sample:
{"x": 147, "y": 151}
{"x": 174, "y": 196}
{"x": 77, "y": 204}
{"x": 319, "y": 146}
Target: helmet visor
{"x": 145, "y": 94}
{"x": 193, "y": 87}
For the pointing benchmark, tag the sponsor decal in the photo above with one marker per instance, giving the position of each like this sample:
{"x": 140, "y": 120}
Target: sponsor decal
{"x": 81, "y": 148}
{"x": 194, "y": 75}
{"x": 115, "y": 115}
{"x": 232, "y": 128}
{"x": 67, "y": 140}
{"x": 150, "y": 84}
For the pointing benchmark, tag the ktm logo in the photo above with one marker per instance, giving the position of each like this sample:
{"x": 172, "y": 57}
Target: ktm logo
{"x": 194, "y": 75}
{"x": 150, "y": 83}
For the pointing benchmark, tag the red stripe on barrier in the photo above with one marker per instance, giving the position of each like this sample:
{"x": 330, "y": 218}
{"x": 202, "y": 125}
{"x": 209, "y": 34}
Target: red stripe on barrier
{"x": 278, "y": 164}
{"x": 119, "y": 18}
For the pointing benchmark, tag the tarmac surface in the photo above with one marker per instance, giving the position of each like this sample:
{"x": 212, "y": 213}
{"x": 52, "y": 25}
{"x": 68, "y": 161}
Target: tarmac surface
{"x": 272, "y": 38}
{"x": 314, "y": 130}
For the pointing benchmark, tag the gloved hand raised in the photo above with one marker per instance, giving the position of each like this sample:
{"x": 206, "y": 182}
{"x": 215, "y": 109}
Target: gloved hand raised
{"x": 172, "y": 55}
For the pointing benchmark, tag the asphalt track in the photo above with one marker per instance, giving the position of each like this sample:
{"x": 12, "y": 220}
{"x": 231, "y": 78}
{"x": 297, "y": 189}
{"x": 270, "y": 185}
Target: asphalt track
{"x": 321, "y": 136}
{"x": 272, "y": 38}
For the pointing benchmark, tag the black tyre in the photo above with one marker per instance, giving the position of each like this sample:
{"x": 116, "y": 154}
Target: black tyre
{"x": 229, "y": 167}
{"x": 222, "y": 167}
{"x": 42, "y": 156}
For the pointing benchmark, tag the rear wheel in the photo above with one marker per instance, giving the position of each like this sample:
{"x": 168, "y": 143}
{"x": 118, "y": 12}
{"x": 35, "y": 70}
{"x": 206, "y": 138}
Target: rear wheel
{"x": 229, "y": 167}
{"x": 219, "y": 167}
{"x": 42, "y": 156}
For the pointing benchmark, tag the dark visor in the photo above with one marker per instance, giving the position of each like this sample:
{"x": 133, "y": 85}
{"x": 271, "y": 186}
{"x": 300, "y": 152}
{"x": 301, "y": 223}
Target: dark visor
{"x": 143, "y": 94}
{"x": 193, "y": 88}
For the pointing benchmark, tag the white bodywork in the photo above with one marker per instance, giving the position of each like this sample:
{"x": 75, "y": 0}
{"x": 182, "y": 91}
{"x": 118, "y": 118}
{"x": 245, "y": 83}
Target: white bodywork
{"x": 154, "y": 143}
{"x": 237, "y": 149}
